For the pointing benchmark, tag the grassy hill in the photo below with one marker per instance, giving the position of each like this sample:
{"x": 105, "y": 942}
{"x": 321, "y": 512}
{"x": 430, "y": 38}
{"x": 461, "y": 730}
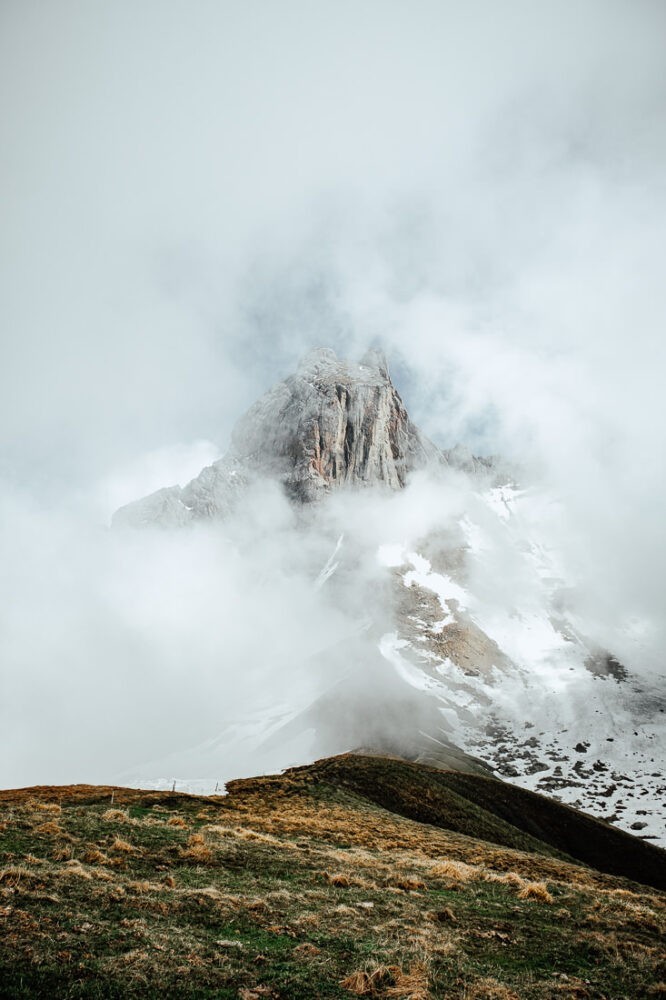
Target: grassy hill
{"x": 357, "y": 876}
{"x": 492, "y": 810}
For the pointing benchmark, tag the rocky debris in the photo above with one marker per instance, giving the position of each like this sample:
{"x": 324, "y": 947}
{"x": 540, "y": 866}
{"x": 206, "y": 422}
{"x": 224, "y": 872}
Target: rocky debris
{"x": 603, "y": 664}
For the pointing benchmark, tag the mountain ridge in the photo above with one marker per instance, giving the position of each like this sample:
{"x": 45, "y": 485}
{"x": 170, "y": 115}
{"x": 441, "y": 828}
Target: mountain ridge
{"x": 357, "y": 876}
{"x": 445, "y": 652}
{"x": 332, "y": 423}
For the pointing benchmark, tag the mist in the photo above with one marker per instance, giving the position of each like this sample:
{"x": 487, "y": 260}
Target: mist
{"x": 193, "y": 197}
{"x": 134, "y": 646}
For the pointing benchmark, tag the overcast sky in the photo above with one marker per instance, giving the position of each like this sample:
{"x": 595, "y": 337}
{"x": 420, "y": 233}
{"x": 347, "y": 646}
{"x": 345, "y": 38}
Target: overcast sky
{"x": 194, "y": 193}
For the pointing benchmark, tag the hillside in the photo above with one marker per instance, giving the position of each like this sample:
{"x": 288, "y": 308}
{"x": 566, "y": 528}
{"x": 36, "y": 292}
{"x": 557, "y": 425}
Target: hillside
{"x": 459, "y": 630}
{"x": 355, "y": 876}
{"x": 492, "y": 810}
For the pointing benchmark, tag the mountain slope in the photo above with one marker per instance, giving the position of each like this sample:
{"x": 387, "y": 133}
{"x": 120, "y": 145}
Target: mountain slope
{"x": 492, "y": 810}
{"x": 293, "y": 887}
{"x": 463, "y": 639}
{"x": 332, "y": 423}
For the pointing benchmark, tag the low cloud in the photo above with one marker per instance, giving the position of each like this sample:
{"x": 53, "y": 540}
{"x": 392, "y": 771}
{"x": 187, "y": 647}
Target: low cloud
{"x": 195, "y": 197}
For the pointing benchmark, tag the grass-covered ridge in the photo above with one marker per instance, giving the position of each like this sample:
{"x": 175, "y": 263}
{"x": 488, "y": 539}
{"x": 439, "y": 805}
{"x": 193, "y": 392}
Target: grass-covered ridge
{"x": 305, "y": 886}
{"x": 490, "y": 809}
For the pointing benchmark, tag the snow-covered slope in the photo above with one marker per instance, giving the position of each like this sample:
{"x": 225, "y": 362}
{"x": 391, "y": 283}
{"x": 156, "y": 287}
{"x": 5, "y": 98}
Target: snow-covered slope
{"x": 466, "y": 645}
{"x": 519, "y": 684}
{"x": 476, "y": 668}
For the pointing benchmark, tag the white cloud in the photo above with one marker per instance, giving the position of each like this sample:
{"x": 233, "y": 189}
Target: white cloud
{"x": 194, "y": 195}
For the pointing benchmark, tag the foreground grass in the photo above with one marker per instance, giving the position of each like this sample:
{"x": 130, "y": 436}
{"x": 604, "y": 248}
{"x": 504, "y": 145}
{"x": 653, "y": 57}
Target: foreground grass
{"x": 295, "y": 887}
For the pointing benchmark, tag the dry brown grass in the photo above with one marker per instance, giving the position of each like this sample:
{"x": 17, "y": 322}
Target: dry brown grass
{"x": 525, "y": 889}
{"x": 49, "y": 807}
{"x": 264, "y": 838}
{"x": 74, "y": 869}
{"x": 408, "y": 884}
{"x": 176, "y": 821}
{"x": 330, "y": 823}
{"x": 507, "y": 878}
{"x": 489, "y": 989}
{"x": 537, "y": 891}
{"x": 116, "y": 816}
{"x": 51, "y": 829}
{"x": 143, "y": 887}
{"x": 307, "y": 950}
{"x": 122, "y": 846}
{"x": 102, "y": 875}
{"x": 338, "y": 879}
{"x": 210, "y": 892}
{"x": 444, "y": 916}
{"x": 456, "y": 870}
{"x": 348, "y": 848}
{"x": 390, "y": 981}
{"x": 364, "y": 983}
{"x": 343, "y": 881}
{"x": 197, "y": 850}
{"x": 253, "y": 806}
{"x": 15, "y": 875}
{"x": 61, "y": 854}
{"x": 410, "y": 985}
{"x": 93, "y": 856}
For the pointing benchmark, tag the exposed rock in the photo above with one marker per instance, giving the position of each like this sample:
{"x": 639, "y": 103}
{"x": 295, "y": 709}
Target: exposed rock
{"x": 331, "y": 424}
{"x": 461, "y": 641}
{"x": 163, "y": 507}
{"x": 603, "y": 664}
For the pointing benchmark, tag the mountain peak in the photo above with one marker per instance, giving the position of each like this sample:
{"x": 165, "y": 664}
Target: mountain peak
{"x": 322, "y": 363}
{"x": 333, "y": 423}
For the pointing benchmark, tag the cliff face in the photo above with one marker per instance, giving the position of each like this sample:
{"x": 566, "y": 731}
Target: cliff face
{"x": 333, "y": 423}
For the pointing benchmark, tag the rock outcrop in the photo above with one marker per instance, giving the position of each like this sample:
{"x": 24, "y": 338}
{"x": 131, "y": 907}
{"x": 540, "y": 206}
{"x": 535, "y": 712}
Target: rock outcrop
{"x": 331, "y": 424}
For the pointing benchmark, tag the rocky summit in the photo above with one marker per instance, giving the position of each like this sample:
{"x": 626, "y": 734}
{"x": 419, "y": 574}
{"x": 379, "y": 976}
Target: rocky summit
{"x": 333, "y": 423}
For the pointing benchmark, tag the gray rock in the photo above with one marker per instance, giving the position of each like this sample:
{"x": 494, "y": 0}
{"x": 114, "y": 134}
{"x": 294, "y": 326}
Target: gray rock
{"x": 332, "y": 424}
{"x": 164, "y": 507}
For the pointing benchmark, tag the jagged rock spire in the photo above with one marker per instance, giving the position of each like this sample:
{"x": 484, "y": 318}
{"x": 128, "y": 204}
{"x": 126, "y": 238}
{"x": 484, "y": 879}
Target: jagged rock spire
{"x": 332, "y": 424}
